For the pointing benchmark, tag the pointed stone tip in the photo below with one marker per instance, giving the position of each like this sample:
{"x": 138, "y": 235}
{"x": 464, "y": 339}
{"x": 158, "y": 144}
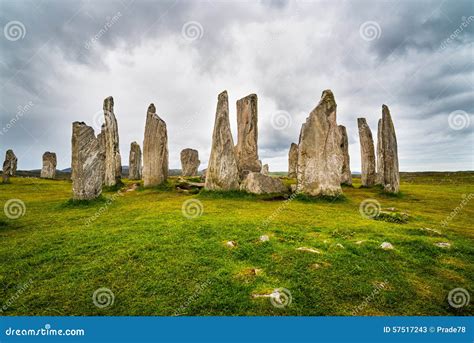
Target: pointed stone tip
{"x": 327, "y": 95}
{"x": 361, "y": 121}
{"x": 108, "y": 102}
{"x": 385, "y": 109}
{"x": 222, "y": 95}
{"x": 152, "y": 108}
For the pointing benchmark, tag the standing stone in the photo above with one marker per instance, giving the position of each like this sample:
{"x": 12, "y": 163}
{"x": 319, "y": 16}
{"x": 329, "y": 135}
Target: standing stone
{"x": 189, "y": 162}
{"x": 293, "y": 160}
{"x": 155, "y": 149}
{"x": 101, "y": 139}
{"x": 257, "y": 183}
{"x": 319, "y": 153}
{"x": 86, "y": 163}
{"x": 346, "y": 176}
{"x": 380, "y": 177}
{"x": 49, "y": 165}
{"x": 265, "y": 169}
{"x": 113, "y": 163}
{"x": 222, "y": 171}
{"x": 9, "y": 165}
{"x": 367, "y": 153}
{"x": 246, "y": 149}
{"x": 135, "y": 162}
{"x": 391, "y": 174}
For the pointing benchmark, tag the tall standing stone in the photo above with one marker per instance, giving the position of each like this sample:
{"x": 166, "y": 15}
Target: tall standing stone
{"x": 293, "y": 160}
{"x": 135, "y": 162}
{"x": 346, "y": 176}
{"x": 222, "y": 171}
{"x": 113, "y": 163}
{"x": 9, "y": 165}
{"x": 101, "y": 139}
{"x": 189, "y": 162}
{"x": 155, "y": 149}
{"x": 380, "y": 177}
{"x": 367, "y": 153}
{"x": 247, "y": 135}
{"x": 319, "y": 152}
{"x": 49, "y": 165}
{"x": 391, "y": 174}
{"x": 86, "y": 163}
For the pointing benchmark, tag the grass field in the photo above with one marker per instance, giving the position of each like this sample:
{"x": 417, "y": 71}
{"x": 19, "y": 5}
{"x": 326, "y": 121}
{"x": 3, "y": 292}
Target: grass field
{"x": 156, "y": 261}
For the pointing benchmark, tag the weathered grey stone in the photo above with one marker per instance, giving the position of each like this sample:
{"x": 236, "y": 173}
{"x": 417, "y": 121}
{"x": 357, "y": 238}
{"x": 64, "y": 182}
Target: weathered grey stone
{"x": 257, "y": 183}
{"x": 155, "y": 149}
{"x": 367, "y": 153}
{"x": 391, "y": 180}
{"x": 86, "y": 163}
{"x": 113, "y": 162}
{"x": 319, "y": 153}
{"x": 346, "y": 176}
{"x": 9, "y": 165}
{"x": 101, "y": 139}
{"x": 135, "y": 162}
{"x": 293, "y": 160}
{"x": 246, "y": 149}
{"x": 265, "y": 169}
{"x": 379, "y": 178}
{"x": 222, "y": 171}
{"x": 49, "y": 165}
{"x": 189, "y": 162}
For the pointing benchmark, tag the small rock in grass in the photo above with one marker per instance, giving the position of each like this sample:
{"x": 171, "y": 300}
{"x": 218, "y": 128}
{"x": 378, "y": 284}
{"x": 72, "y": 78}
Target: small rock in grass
{"x": 231, "y": 244}
{"x": 264, "y": 238}
{"x": 443, "y": 244}
{"x": 311, "y": 250}
{"x": 339, "y": 245}
{"x": 386, "y": 246}
{"x": 360, "y": 242}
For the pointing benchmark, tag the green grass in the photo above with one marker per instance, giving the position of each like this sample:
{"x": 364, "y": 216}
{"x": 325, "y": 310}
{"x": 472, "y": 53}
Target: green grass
{"x": 156, "y": 261}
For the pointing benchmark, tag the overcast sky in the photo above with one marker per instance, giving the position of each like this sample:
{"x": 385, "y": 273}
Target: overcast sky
{"x": 60, "y": 59}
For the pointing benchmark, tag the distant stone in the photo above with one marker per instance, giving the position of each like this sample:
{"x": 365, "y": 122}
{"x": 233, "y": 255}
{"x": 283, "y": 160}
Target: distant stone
{"x": 155, "y": 150}
{"x": 135, "y": 162}
{"x": 231, "y": 244}
{"x": 222, "y": 171}
{"x": 293, "y": 160}
{"x": 319, "y": 153}
{"x": 113, "y": 161}
{"x": 9, "y": 165}
{"x": 346, "y": 176}
{"x": 367, "y": 153}
{"x": 264, "y": 238}
{"x": 391, "y": 179}
{"x": 257, "y": 183}
{"x": 311, "y": 250}
{"x": 265, "y": 169}
{"x": 86, "y": 163}
{"x": 189, "y": 162}
{"x": 246, "y": 150}
{"x": 443, "y": 244}
{"x": 49, "y": 165}
{"x": 386, "y": 246}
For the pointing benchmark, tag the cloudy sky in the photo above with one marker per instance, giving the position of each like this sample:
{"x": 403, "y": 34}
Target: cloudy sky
{"x": 60, "y": 59}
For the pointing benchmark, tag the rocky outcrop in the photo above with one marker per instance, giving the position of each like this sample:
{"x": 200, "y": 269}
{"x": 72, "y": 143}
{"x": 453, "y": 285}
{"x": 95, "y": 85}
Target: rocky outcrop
{"x": 346, "y": 176}
{"x": 257, "y": 183}
{"x": 319, "y": 153}
{"x": 222, "y": 171}
{"x": 379, "y": 177}
{"x": 9, "y": 165}
{"x": 86, "y": 163}
{"x": 367, "y": 153}
{"x": 155, "y": 149}
{"x": 189, "y": 162}
{"x": 135, "y": 162}
{"x": 246, "y": 149}
{"x": 265, "y": 169}
{"x": 293, "y": 160}
{"x": 113, "y": 163}
{"x": 391, "y": 179}
{"x": 49, "y": 165}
